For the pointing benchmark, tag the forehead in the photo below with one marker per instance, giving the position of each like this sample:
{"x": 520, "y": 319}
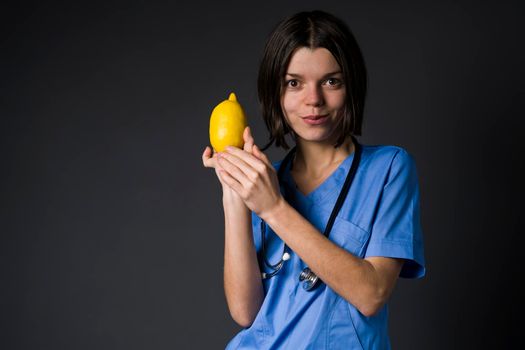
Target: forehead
{"x": 314, "y": 61}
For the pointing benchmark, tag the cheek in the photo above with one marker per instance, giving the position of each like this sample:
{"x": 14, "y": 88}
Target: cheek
{"x": 289, "y": 105}
{"x": 337, "y": 101}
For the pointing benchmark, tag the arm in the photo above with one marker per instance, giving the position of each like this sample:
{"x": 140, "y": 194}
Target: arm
{"x": 366, "y": 283}
{"x": 242, "y": 278}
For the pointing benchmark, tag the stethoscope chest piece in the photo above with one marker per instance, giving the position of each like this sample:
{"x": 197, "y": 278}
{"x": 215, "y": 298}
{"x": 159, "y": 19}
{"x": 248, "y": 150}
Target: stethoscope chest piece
{"x": 309, "y": 279}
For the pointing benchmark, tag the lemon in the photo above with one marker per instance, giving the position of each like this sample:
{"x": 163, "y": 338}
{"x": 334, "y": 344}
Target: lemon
{"x": 227, "y": 123}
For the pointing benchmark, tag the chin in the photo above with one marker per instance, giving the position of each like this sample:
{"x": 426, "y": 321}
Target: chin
{"x": 318, "y": 138}
{"x": 316, "y": 135}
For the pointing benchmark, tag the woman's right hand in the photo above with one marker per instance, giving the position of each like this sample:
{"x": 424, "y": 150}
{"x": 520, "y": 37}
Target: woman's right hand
{"x": 209, "y": 160}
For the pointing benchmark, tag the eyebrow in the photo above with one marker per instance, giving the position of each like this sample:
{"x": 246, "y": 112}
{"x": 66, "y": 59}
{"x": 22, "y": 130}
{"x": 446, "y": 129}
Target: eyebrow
{"x": 295, "y": 75}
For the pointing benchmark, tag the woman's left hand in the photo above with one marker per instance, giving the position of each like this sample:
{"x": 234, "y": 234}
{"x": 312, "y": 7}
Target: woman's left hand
{"x": 252, "y": 176}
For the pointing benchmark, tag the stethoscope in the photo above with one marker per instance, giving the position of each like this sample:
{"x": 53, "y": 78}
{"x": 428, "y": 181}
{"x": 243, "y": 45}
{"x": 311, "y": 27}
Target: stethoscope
{"x": 307, "y": 276}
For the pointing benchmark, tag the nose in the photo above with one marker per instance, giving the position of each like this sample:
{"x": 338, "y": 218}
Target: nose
{"x": 314, "y": 96}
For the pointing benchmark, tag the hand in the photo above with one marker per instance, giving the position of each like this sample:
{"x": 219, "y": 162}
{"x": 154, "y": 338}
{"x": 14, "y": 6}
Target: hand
{"x": 209, "y": 160}
{"x": 209, "y": 156}
{"x": 251, "y": 176}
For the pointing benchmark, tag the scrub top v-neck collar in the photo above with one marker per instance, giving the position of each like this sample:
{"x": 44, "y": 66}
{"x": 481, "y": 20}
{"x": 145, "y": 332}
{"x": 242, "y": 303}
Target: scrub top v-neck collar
{"x": 332, "y": 183}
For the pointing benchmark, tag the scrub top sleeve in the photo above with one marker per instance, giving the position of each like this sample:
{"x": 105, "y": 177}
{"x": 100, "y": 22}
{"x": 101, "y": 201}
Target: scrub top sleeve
{"x": 256, "y": 231}
{"x": 396, "y": 231}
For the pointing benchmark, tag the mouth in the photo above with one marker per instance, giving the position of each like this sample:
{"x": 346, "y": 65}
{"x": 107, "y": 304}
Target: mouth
{"x": 315, "y": 119}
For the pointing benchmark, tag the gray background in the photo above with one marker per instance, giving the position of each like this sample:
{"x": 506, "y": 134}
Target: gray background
{"x": 111, "y": 229}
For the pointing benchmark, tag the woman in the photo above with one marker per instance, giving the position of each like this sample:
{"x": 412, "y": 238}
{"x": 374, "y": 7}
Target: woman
{"x": 314, "y": 245}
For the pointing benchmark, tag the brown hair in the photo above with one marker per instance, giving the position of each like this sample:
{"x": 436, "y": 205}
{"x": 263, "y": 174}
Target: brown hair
{"x": 315, "y": 29}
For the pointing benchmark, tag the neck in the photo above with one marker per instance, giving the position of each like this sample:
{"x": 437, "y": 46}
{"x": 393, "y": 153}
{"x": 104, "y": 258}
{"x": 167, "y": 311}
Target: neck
{"x": 315, "y": 157}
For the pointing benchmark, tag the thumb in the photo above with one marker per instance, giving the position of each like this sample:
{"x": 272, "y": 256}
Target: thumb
{"x": 259, "y": 154}
{"x": 248, "y": 140}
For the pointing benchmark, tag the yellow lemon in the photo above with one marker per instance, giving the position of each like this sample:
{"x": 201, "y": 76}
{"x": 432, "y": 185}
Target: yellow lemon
{"x": 227, "y": 123}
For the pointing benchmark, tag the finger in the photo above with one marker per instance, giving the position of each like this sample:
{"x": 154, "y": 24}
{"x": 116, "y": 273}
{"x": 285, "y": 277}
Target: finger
{"x": 248, "y": 139}
{"x": 208, "y": 159}
{"x": 249, "y": 171}
{"x": 206, "y": 156}
{"x": 230, "y": 181}
{"x": 259, "y": 154}
{"x": 253, "y": 159}
{"x": 208, "y": 151}
{"x": 247, "y": 157}
{"x": 230, "y": 165}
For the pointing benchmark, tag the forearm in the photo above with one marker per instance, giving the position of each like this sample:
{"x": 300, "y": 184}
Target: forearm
{"x": 355, "y": 279}
{"x": 242, "y": 278}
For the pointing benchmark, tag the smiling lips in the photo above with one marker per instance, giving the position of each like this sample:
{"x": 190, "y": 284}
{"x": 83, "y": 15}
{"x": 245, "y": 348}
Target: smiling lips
{"x": 315, "y": 119}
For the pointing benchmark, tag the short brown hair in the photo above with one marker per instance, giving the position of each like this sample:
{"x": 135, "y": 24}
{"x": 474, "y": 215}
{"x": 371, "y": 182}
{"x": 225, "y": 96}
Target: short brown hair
{"x": 315, "y": 29}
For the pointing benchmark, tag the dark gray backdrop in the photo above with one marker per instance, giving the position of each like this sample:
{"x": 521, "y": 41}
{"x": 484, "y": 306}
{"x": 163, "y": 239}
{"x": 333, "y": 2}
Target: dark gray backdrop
{"x": 111, "y": 230}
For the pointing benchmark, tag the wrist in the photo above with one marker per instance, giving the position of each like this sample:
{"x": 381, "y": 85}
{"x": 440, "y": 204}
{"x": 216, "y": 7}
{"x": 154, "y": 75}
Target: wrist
{"x": 230, "y": 197}
{"x": 275, "y": 212}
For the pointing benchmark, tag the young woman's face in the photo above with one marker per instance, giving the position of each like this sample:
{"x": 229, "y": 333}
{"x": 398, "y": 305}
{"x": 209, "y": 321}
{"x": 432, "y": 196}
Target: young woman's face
{"x": 314, "y": 95}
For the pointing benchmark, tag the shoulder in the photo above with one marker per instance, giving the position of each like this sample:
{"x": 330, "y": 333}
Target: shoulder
{"x": 389, "y": 162}
{"x": 387, "y": 153}
{"x": 387, "y": 156}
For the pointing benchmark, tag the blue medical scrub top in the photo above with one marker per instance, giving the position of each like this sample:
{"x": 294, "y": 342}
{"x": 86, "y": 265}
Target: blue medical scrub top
{"x": 380, "y": 217}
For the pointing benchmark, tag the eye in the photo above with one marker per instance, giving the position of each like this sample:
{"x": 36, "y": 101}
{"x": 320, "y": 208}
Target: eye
{"x": 292, "y": 83}
{"x": 333, "y": 82}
